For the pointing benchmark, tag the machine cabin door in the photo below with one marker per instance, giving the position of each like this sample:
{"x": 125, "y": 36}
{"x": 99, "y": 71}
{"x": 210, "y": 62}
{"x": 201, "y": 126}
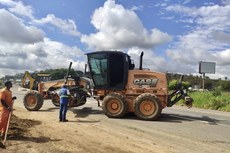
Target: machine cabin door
{"x": 109, "y": 69}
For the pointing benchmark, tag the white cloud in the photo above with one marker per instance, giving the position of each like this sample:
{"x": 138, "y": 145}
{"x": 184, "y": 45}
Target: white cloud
{"x": 39, "y": 56}
{"x": 195, "y": 47}
{"x": 119, "y": 28}
{"x": 12, "y": 30}
{"x": 66, "y": 26}
{"x": 186, "y": 1}
{"x": 137, "y": 8}
{"x": 224, "y": 56}
{"x": 222, "y": 37}
{"x": 226, "y": 2}
{"x": 216, "y": 17}
{"x": 18, "y": 8}
{"x": 23, "y": 10}
{"x": 180, "y": 9}
{"x": 158, "y": 63}
{"x": 8, "y": 2}
{"x": 25, "y": 48}
{"x": 208, "y": 39}
{"x": 150, "y": 60}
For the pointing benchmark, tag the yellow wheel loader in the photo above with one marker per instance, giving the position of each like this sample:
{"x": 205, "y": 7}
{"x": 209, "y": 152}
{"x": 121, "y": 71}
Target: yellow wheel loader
{"x": 32, "y": 82}
{"x": 121, "y": 88}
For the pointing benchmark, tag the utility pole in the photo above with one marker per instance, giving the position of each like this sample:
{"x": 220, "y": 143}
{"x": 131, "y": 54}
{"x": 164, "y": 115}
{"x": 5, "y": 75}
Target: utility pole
{"x": 203, "y": 81}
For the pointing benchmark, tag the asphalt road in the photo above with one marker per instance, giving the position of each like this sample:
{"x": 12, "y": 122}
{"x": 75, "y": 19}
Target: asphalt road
{"x": 208, "y": 128}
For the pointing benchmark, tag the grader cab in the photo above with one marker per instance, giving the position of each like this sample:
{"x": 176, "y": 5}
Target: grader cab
{"x": 121, "y": 88}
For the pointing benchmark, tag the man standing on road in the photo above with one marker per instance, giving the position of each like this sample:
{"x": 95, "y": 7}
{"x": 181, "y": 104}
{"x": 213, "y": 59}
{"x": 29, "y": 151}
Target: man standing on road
{"x": 6, "y": 104}
{"x": 64, "y": 96}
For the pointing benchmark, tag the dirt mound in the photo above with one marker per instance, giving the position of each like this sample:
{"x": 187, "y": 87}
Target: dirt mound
{"x": 18, "y": 128}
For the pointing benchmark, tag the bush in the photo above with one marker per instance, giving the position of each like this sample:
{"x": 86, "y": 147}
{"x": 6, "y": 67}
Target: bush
{"x": 173, "y": 85}
{"x": 216, "y": 104}
{"x": 209, "y": 100}
{"x": 216, "y": 92}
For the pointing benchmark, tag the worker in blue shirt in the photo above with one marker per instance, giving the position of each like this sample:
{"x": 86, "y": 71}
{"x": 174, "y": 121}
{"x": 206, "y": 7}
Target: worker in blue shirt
{"x": 64, "y": 96}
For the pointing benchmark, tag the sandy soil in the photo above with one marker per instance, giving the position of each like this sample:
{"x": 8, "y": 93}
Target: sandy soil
{"x": 90, "y": 131}
{"x": 46, "y": 134}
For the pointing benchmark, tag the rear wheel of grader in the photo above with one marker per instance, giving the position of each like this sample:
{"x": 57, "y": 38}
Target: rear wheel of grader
{"x": 114, "y": 106}
{"x": 33, "y": 101}
{"x": 147, "y": 107}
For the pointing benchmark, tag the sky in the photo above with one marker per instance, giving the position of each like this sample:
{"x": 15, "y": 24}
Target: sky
{"x": 174, "y": 35}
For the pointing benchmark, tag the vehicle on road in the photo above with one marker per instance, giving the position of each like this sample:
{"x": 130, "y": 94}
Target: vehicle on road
{"x": 44, "y": 89}
{"x": 121, "y": 88}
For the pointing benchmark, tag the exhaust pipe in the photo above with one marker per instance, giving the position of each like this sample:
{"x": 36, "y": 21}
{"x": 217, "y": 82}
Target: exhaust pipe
{"x": 141, "y": 59}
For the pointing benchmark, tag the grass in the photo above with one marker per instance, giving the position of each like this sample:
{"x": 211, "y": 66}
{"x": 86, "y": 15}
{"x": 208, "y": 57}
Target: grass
{"x": 208, "y": 100}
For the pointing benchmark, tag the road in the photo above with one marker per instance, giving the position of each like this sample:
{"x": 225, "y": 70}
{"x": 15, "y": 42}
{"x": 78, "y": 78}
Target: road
{"x": 177, "y": 130}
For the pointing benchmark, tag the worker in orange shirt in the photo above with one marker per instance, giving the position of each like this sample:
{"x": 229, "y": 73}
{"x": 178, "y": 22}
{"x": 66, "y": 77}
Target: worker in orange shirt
{"x": 6, "y": 104}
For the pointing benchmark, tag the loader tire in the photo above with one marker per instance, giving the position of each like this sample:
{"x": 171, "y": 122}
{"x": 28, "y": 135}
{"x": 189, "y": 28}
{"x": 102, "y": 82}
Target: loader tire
{"x": 33, "y": 101}
{"x": 114, "y": 106}
{"x": 147, "y": 107}
{"x": 56, "y": 100}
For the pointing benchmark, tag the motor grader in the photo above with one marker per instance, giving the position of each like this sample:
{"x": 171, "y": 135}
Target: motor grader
{"x": 121, "y": 88}
{"x": 78, "y": 87}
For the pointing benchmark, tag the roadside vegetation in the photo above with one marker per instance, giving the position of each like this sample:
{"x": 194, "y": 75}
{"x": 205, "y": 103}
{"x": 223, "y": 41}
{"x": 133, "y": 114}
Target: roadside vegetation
{"x": 216, "y": 99}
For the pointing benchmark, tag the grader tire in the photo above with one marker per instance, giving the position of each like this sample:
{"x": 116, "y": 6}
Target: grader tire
{"x": 114, "y": 106}
{"x": 147, "y": 107}
{"x": 33, "y": 101}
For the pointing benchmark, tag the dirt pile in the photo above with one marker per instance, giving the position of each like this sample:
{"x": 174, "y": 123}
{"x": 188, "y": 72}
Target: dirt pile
{"x": 19, "y": 128}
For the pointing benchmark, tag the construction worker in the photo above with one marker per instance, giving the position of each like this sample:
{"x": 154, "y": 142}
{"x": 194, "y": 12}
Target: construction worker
{"x": 6, "y": 105}
{"x": 64, "y": 96}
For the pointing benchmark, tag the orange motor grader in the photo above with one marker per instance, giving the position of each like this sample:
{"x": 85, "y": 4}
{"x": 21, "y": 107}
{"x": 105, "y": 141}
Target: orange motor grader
{"x": 121, "y": 88}
{"x": 47, "y": 90}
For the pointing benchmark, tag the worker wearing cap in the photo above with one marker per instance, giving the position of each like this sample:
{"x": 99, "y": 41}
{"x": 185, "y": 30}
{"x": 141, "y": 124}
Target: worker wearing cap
{"x": 6, "y": 104}
{"x": 64, "y": 96}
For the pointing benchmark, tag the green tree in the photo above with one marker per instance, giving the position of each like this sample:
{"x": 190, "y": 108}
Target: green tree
{"x": 225, "y": 85}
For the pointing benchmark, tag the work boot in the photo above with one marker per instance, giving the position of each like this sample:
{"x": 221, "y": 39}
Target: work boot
{"x": 65, "y": 120}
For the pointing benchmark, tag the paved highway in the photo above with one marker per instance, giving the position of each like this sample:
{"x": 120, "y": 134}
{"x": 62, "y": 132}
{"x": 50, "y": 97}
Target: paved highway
{"x": 188, "y": 130}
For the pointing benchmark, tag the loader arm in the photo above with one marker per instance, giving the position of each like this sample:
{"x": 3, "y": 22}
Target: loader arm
{"x": 31, "y": 79}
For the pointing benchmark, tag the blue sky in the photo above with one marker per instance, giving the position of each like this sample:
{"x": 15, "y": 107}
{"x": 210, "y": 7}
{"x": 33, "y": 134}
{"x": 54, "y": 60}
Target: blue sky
{"x": 174, "y": 35}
